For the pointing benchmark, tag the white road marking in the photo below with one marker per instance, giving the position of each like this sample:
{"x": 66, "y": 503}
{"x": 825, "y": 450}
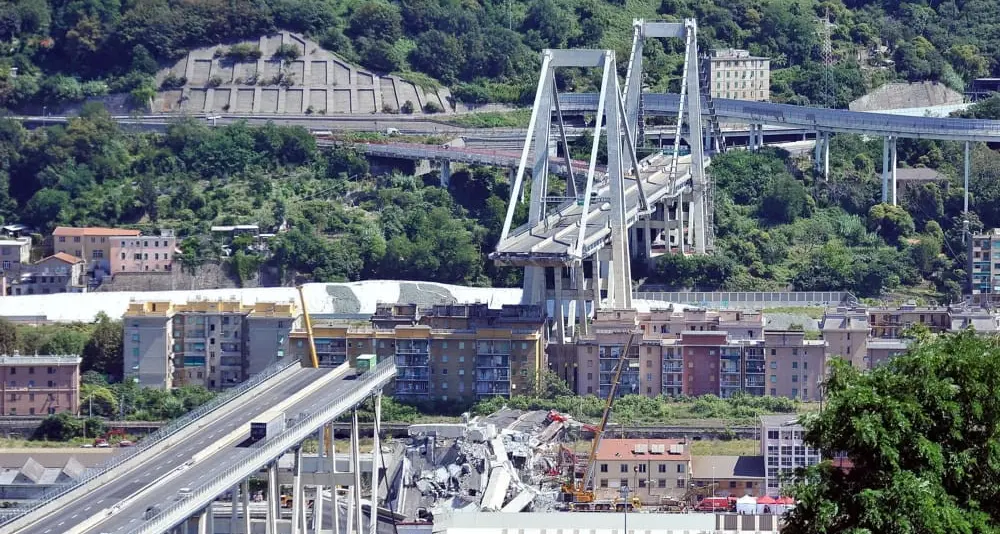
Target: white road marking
{"x": 87, "y": 509}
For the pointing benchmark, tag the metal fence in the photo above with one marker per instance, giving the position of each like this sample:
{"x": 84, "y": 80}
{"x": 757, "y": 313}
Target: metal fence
{"x": 756, "y": 299}
{"x": 156, "y": 437}
{"x": 269, "y": 450}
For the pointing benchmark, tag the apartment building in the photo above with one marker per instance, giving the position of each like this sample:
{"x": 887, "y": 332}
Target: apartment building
{"x": 734, "y": 73}
{"x": 91, "y": 244}
{"x": 217, "y": 344}
{"x": 892, "y": 322}
{"x": 58, "y": 273}
{"x": 140, "y": 254}
{"x": 668, "y": 323}
{"x": 706, "y": 361}
{"x": 14, "y": 252}
{"x": 783, "y": 447}
{"x": 984, "y": 263}
{"x": 445, "y": 352}
{"x": 796, "y": 366}
{"x": 36, "y": 385}
{"x": 845, "y": 331}
{"x": 732, "y": 476}
{"x": 868, "y": 337}
{"x": 650, "y": 468}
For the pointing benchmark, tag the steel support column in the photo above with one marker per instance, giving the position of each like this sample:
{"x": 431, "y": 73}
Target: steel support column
{"x": 334, "y": 508}
{"x": 298, "y": 503}
{"x": 317, "y": 518}
{"x": 234, "y": 507}
{"x": 356, "y": 466}
{"x": 892, "y": 167}
{"x": 245, "y": 495}
{"x": 885, "y": 169}
{"x": 273, "y": 506}
{"x": 376, "y": 464}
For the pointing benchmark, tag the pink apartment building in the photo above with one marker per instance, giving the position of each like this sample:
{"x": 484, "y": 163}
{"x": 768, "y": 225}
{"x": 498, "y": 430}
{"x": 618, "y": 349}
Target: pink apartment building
{"x": 39, "y": 385}
{"x": 140, "y": 254}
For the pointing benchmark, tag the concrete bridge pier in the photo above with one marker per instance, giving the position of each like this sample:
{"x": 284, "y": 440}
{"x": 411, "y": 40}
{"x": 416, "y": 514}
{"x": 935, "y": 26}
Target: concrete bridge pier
{"x": 445, "y": 173}
{"x": 821, "y": 154}
{"x": 889, "y": 170}
{"x": 273, "y": 506}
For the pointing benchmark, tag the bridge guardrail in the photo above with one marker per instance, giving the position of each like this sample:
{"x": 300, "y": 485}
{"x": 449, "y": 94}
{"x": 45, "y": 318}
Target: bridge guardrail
{"x": 158, "y": 436}
{"x": 267, "y": 450}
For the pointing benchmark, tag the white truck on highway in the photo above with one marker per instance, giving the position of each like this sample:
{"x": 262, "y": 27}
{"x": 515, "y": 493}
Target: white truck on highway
{"x": 269, "y": 425}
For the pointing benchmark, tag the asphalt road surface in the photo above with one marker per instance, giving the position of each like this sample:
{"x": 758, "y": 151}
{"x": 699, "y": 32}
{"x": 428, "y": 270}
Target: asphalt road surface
{"x": 155, "y": 467}
{"x": 130, "y": 517}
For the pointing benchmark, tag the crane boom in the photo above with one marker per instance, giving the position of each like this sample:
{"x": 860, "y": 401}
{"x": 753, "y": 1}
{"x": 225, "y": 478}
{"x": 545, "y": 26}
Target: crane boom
{"x": 599, "y": 433}
{"x": 309, "y": 329}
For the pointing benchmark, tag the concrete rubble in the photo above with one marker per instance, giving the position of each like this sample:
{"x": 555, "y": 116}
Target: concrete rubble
{"x": 505, "y": 462}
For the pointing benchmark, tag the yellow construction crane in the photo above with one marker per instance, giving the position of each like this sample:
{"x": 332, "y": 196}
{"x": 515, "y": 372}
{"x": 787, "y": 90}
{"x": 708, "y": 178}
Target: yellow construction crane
{"x": 327, "y": 434}
{"x": 579, "y": 493}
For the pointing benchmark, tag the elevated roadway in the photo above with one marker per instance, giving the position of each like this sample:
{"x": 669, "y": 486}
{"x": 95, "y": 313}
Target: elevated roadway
{"x": 163, "y": 472}
{"x": 472, "y": 156}
{"x": 549, "y": 244}
{"x": 225, "y": 464}
{"x": 816, "y": 119}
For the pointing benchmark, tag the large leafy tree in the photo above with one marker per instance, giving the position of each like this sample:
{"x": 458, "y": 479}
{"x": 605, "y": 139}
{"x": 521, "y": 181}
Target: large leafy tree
{"x": 921, "y": 433}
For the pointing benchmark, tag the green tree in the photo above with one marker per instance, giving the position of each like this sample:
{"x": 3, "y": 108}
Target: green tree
{"x": 891, "y": 222}
{"x": 62, "y": 426}
{"x": 103, "y": 350}
{"x": 438, "y": 54}
{"x": 375, "y": 20}
{"x": 548, "y": 385}
{"x": 920, "y": 432}
{"x": 784, "y": 200}
{"x": 8, "y": 337}
{"x": 44, "y": 209}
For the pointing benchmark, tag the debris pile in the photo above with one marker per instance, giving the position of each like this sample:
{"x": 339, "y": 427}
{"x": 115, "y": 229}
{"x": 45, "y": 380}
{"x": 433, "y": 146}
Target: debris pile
{"x": 505, "y": 462}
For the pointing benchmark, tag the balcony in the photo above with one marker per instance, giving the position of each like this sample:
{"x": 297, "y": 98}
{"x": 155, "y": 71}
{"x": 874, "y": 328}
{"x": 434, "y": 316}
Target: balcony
{"x": 673, "y": 368}
{"x": 412, "y": 361}
{"x": 755, "y": 381}
{"x": 411, "y": 350}
{"x": 493, "y": 348}
{"x": 495, "y": 375}
{"x": 411, "y": 388}
{"x": 730, "y": 382}
{"x": 755, "y": 367}
{"x": 413, "y": 374}
{"x": 492, "y": 362}
{"x": 485, "y": 388}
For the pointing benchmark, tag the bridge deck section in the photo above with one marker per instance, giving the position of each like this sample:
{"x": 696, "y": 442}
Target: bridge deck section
{"x": 827, "y": 120}
{"x": 156, "y": 466}
{"x": 551, "y": 242}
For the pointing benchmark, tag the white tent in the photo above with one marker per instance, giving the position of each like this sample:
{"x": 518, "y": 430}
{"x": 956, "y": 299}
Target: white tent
{"x": 746, "y": 504}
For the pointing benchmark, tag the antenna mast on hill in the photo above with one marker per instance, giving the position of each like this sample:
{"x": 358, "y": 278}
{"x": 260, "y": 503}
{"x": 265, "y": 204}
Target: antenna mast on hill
{"x": 827, "y": 51}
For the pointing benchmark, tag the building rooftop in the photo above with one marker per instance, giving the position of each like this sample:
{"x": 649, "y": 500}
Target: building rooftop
{"x": 62, "y": 256}
{"x": 727, "y": 467}
{"x": 889, "y": 344}
{"x": 573, "y": 523}
{"x": 789, "y": 420}
{"x": 95, "y": 231}
{"x": 734, "y": 53}
{"x": 53, "y": 359}
{"x": 643, "y": 449}
{"x": 15, "y": 242}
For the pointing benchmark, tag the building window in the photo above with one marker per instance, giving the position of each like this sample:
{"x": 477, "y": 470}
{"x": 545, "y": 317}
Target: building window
{"x": 680, "y": 468}
{"x": 661, "y": 483}
{"x": 52, "y": 384}
{"x": 774, "y": 365}
{"x": 774, "y": 378}
{"x": 604, "y": 468}
{"x": 795, "y": 365}
{"x": 642, "y": 468}
{"x": 680, "y": 482}
{"x": 604, "y": 482}
{"x": 31, "y": 370}
{"x": 623, "y": 468}
{"x": 624, "y": 482}
{"x": 749, "y": 485}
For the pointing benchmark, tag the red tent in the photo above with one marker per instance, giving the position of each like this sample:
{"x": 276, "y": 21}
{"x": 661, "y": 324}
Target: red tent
{"x": 766, "y": 500}
{"x": 785, "y": 500}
